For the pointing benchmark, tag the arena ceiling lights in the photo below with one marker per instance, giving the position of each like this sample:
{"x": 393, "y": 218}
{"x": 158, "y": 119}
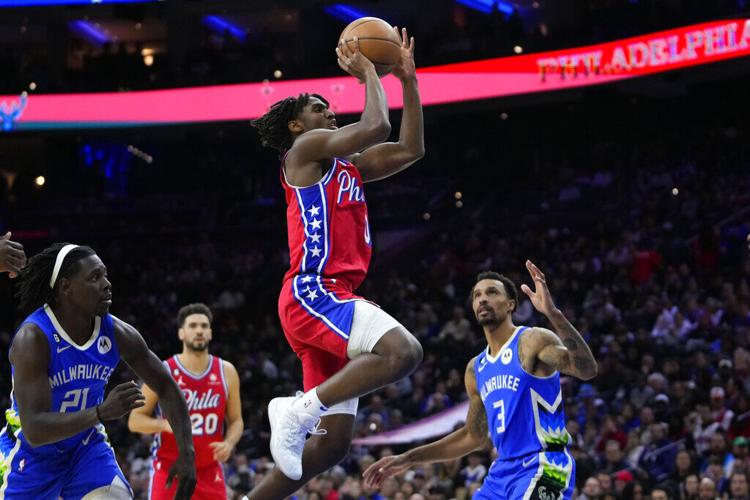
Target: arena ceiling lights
{"x": 491, "y": 78}
{"x": 488, "y": 6}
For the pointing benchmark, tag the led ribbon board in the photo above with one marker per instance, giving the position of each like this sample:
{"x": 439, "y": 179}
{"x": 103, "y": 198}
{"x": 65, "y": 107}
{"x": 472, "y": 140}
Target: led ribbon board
{"x": 542, "y": 72}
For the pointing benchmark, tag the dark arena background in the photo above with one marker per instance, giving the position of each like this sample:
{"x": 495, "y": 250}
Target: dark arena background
{"x": 624, "y": 173}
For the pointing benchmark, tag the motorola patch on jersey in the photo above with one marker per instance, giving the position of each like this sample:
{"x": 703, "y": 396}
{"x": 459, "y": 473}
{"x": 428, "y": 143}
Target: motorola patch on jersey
{"x": 104, "y": 345}
{"x": 506, "y": 356}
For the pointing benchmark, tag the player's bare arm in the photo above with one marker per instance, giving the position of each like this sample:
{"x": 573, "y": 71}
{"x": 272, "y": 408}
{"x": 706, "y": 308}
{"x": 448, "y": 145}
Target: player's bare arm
{"x": 563, "y": 350}
{"x": 235, "y": 425}
{"x": 143, "y": 420}
{"x": 472, "y": 436}
{"x": 151, "y": 370}
{"x": 30, "y": 355}
{"x": 310, "y": 148}
{"x": 383, "y": 160}
{"x": 12, "y": 256}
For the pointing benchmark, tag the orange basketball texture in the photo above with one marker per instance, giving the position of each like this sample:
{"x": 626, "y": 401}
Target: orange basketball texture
{"x": 378, "y": 42}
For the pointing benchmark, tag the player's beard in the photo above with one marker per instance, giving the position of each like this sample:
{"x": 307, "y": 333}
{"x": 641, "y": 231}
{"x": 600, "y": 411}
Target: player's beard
{"x": 490, "y": 319}
{"x": 197, "y": 348}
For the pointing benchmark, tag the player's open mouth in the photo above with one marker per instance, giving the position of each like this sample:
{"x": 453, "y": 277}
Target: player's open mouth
{"x": 332, "y": 124}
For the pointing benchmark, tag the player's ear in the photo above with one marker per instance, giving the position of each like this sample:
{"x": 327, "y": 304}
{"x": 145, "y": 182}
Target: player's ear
{"x": 63, "y": 288}
{"x": 295, "y": 126}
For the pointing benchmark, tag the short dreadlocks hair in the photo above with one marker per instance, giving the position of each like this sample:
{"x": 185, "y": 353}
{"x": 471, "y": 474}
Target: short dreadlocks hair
{"x": 33, "y": 289}
{"x": 273, "y": 127}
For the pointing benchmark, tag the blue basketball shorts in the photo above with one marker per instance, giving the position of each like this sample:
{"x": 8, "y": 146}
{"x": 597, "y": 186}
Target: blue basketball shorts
{"x": 49, "y": 473}
{"x": 548, "y": 475}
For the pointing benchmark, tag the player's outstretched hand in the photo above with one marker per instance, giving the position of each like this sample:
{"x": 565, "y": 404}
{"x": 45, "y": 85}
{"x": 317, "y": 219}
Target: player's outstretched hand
{"x": 405, "y": 68}
{"x": 183, "y": 470}
{"x": 540, "y": 297}
{"x": 121, "y": 400}
{"x": 385, "y": 468}
{"x": 353, "y": 61}
{"x": 222, "y": 450}
{"x": 12, "y": 256}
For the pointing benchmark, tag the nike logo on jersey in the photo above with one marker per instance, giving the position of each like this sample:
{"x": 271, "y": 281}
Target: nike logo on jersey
{"x": 86, "y": 440}
{"x": 481, "y": 366}
{"x": 62, "y": 348}
{"x": 530, "y": 461}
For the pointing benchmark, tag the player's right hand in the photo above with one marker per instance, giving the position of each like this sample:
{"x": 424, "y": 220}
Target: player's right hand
{"x": 121, "y": 400}
{"x": 183, "y": 470}
{"x": 12, "y": 256}
{"x": 353, "y": 61}
{"x": 385, "y": 468}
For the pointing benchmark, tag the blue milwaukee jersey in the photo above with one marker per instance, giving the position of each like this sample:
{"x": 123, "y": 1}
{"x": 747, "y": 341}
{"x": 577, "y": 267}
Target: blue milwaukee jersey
{"x": 78, "y": 374}
{"x": 524, "y": 412}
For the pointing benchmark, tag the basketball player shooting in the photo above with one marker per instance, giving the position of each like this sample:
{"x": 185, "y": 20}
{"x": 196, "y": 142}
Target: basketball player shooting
{"x": 514, "y": 397}
{"x": 348, "y": 346}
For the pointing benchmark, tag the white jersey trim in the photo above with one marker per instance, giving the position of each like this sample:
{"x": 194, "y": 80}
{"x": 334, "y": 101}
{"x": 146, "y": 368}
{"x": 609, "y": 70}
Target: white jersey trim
{"x": 323, "y": 180}
{"x": 490, "y": 358}
{"x": 191, "y": 374}
{"x": 64, "y": 334}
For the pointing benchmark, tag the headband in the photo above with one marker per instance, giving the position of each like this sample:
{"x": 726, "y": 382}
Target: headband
{"x": 64, "y": 251}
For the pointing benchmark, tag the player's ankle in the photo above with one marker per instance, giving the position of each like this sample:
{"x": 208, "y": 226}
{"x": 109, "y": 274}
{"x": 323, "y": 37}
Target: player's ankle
{"x": 310, "y": 404}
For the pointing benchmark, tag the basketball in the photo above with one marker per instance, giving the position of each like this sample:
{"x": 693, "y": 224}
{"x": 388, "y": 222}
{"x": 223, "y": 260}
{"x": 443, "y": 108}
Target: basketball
{"x": 378, "y": 42}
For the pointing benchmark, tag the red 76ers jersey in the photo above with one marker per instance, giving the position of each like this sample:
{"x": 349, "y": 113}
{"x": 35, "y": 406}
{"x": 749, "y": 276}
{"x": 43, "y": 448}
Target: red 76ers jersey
{"x": 329, "y": 234}
{"x": 206, "y": 396}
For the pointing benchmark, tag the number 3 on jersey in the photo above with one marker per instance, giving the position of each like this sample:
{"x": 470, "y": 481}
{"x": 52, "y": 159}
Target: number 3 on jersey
{"x": 201, "y": 425}
{"x": 500, "y": 415}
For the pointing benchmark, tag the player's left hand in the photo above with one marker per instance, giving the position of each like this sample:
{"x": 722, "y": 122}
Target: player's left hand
{"x": 183, "y": 470}
{"x": 405, "y": 68}
{"x": 222, "y": 450}
{"x": 540, "y": 297}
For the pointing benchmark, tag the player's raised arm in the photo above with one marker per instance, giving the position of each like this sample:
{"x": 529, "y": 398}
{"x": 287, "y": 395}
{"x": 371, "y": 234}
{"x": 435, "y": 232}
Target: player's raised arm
{"x": 143, "y": 420}
{"x": 471, "y": 436}
{"x": 564, "y": 350}
{"x": 373, "y": 126}
{"x": 151, "y": 370}
{"x": 383, "y": 160}
{"x": 29, "y": 354}
{"x": 305, "y": 128}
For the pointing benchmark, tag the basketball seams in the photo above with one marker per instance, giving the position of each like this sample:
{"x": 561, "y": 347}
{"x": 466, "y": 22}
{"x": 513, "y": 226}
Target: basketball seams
{"x": 360, "y": 38}
{"x": 381, "y": 31}
{"x": 376, "y": 39}
{"x": 363, "y": 21}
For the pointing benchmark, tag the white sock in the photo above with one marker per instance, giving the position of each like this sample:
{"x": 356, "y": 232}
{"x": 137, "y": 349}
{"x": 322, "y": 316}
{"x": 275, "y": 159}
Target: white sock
{"x": 310, "y": 403}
